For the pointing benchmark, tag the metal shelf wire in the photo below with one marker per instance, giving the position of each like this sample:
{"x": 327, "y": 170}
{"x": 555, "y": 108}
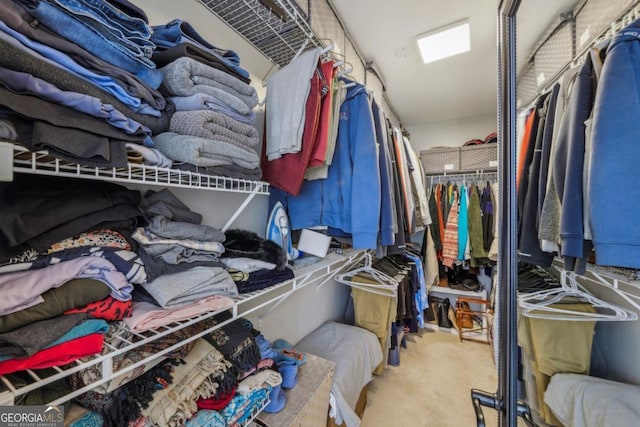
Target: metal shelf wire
{"x": 244, "y": 304}
{"x": 40, "y": 163}
{"x": 276, "y": 38}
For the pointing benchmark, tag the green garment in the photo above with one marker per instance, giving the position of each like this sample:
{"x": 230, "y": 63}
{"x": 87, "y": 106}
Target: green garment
{"x": 479, "y": 255}
{"x": 74, "y": 293}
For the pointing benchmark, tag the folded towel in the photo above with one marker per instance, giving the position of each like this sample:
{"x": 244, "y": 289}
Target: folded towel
{"x": 184, "y": 288}
{"x": 186, "y": 76}
{"x": 215, "y": 126}
{"x": 204, "y": 152}
{"x": 202, "y": 101}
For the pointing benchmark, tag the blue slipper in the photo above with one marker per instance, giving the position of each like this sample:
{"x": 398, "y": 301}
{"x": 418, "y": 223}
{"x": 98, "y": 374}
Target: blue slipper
{"x": 285, "y": 352}
{"x": 280, "y": 343}
{"x": 277, "y": 400}
{"x": 289, "y": 374}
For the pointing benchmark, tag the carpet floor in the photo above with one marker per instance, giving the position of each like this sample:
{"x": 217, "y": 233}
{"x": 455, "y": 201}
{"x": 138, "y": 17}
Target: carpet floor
{"x": 431, "y": 386}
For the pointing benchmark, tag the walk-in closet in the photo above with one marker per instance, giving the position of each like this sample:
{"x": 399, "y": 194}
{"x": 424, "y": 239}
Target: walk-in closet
{"x": 319, "y": 213}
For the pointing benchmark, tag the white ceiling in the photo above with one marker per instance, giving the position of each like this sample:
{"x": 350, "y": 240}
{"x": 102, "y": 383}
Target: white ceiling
{"x": 457, "y": 87}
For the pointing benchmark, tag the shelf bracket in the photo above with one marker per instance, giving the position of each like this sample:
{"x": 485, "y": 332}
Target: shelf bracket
{"x": 242, "y": 207}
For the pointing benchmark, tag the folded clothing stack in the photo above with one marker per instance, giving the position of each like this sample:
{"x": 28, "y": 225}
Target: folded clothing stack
{"x": 213, "y": 122}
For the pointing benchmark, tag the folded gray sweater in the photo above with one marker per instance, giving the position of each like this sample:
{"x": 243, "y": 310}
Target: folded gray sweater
{"x": 186, "y": 76}
{"x": 189, "y": 286}
{"x": 204, "y": 152}
{"x": 215, "y": 126}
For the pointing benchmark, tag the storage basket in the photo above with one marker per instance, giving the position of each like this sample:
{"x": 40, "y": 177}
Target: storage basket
{"x": 555, "y": 53}
{"x": 440, "y": 160}
{"x": 594, "y": 17}
{"x": 479, "y": 157}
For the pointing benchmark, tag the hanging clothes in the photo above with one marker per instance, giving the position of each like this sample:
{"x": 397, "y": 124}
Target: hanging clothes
{"x": 476, "y": 230}
{"x": 388, "y": 214}
{"x": 287, "y": 171}
{"x": 434, "y": 229}
{"x": 528, "y": 245}
{"x": 288, "y": 90}
{"x": 450, "y": 242}
{"x": 405, "y": 180}
{"x": 488, "y": 218}
{"x": 463, "y": 225}
{"x": 348, "y": 201}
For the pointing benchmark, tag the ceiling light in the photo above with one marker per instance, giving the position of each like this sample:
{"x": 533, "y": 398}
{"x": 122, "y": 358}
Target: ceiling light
{"x": 444, "y": 42}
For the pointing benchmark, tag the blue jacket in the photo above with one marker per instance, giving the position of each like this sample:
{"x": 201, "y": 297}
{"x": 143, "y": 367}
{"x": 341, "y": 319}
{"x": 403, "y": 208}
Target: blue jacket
{"x": 613, "y": 187}
{"x": 349, "y": 199}
{"x": 569, "y": 164}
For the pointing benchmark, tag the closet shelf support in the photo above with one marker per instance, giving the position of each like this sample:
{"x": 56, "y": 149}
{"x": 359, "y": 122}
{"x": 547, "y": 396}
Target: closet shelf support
{"x": 242, "y": 207}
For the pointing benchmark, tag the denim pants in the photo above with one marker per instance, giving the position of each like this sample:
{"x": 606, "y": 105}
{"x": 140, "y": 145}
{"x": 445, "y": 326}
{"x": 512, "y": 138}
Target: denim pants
{"x": 179, "y": 31}
{"x": 76, "y": 31}
{"x": 133, "y": 34}
{"x": 61, "y": 60}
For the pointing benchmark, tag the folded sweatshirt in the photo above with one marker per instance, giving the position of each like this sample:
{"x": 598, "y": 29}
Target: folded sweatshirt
{"x": 23, "y": 289}
{"x": 215, "y": 126}
{"x": 204, "y": 152}
{"x": 60, "y": 354}
{"x": 180, "y": 289}
{"x": 74, "y": 293}
{"x": 203, "y": 101}
{"x": 188, "y": 75}
{"x": 31, "y": 344}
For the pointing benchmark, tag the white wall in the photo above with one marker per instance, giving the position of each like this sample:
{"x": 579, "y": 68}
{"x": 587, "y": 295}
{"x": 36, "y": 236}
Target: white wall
{"x": 306, "y": 309}
{"x": 451, "y": 133}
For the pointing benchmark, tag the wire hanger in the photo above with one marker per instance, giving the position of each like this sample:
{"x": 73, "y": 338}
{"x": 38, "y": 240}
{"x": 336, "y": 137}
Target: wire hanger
{"x": 385, "y": 284}
{"x": 538, "y": 304}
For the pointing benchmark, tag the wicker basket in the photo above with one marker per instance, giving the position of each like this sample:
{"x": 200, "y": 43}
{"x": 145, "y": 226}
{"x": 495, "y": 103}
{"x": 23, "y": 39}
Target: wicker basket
{"x": 308, "y": 402}
{"x": 479, "y": 158}
{"x": 440, "y": 160}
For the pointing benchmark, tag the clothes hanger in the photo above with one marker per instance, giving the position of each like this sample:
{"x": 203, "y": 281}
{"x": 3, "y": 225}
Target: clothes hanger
{"x": 538, "y": 304}
{"x": 385, "y": 285}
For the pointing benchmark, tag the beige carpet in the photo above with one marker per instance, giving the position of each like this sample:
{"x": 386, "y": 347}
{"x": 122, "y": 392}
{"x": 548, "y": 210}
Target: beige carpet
{"x": 431, "y": 387}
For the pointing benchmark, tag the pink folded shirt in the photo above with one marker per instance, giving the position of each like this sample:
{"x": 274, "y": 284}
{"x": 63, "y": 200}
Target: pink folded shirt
{"x": 147, "y": 316}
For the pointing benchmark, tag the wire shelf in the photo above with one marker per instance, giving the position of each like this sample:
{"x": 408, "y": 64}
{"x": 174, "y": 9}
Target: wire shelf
{"x": 40, "y": 163}
{"x": 278, "y": 38}
{"x": 243, "y": 305}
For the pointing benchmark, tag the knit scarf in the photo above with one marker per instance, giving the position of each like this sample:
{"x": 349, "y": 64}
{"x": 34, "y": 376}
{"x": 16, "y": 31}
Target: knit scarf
{"x": 237, "y": 344}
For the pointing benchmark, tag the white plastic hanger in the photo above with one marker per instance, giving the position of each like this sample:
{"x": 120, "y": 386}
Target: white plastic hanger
{"x": 385, "y": 284}
{"x": 537, "y": 304}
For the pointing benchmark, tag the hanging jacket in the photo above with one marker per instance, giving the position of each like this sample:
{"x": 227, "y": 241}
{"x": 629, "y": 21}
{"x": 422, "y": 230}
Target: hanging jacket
{"x": 569, "y": 162}
{"x": 349, "y": 199}
{"x": 388, "y": 223}
{"x": 528, "y": 245}
{"x": 615, "y": 158}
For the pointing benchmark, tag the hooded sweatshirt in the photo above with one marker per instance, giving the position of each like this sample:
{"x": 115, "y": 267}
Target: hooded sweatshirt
{"x": 615, "y": 155}
{"x": 349, "y": 199}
